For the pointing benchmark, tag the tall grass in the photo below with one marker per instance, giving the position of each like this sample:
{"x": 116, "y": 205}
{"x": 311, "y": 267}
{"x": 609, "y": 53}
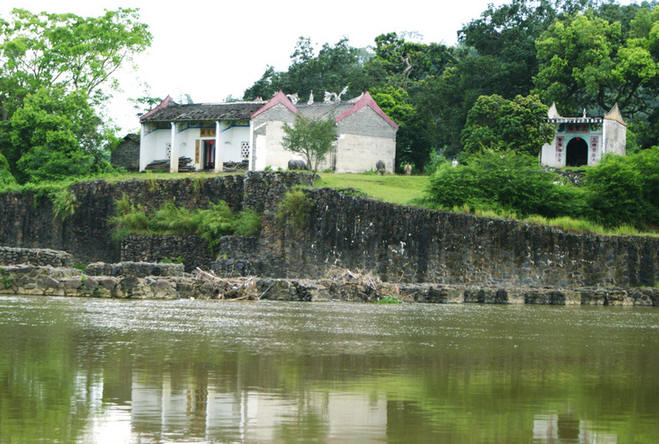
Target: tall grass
{"x": 210, "y": 224}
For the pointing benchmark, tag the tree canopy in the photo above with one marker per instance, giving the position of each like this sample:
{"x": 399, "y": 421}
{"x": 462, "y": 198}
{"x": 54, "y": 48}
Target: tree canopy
{"x": 499, "y": 124}
{"x": 55, "y": 71}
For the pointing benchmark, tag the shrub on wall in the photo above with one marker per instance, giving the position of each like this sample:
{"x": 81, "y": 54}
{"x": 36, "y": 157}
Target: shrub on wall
{"x": 625, "y": 190}
{"x": 505, "y": 182}
{"x": 294, "y": 208}
{"x": 619, "y": 191}
{"x": 210, "y": 224}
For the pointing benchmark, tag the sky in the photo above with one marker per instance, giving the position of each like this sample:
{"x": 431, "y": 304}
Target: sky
{"x": 213, "y": 49}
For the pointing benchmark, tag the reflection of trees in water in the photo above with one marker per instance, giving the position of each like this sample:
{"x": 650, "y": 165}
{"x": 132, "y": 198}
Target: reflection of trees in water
{"x": 187, "y": 385}
{"x": 43, "y": 393}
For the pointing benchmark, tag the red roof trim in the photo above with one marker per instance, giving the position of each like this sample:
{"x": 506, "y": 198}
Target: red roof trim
{"x": 279, "y": 98}
{"x": 162, "y": 105}
{"x": 367, "y": 100}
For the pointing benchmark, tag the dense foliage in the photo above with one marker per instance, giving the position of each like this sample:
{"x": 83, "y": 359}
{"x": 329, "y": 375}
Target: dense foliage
{"x": 55, "y": 72}
{"x": 579, "y": 53}
{"x": 210, "y": 224}
{"x": 620, "y": 190}
{"x": 506, "y": 182}
{"x": 500, "y": 124}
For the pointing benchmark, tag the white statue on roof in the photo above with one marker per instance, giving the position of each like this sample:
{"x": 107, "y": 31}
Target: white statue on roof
{"x": 332, "y": 97}
{"x": 310, "y": 101}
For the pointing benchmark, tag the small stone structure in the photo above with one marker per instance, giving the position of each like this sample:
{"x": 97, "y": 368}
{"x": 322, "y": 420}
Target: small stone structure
{"x": 127, "y": 153}
{"x": 584, "y": 140}
{"x": 35, "y": 256}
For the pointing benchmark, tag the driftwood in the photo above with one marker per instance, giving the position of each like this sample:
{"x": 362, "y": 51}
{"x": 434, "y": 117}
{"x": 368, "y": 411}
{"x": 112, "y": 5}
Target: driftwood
{"x": 246, "y": 289}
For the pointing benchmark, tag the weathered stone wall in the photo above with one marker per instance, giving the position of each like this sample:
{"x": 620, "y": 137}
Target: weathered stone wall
{"x": 405, "y": 244}
{"x": 28, "y": 220}
{"x": 168, "y": 282}
{"x": 34, "y": 256}
{"x": 192, "y": 251}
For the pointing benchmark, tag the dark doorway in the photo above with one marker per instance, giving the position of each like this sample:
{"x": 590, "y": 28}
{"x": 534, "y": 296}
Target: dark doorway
{"x": 576, "y": 152}
{"x": 209, "y": 154}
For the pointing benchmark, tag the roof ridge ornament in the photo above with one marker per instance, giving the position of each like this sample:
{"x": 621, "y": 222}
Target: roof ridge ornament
{"x": 553, "y": 112}
{"x": 614, "y": 114}
{"x": 332, "y": 97}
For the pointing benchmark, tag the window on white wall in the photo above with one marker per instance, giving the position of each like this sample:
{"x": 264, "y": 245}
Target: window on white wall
{"x": 244, "y": 149}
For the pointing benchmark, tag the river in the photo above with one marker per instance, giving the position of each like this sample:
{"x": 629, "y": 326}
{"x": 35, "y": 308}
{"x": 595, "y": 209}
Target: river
{"x": 108, "y": 371}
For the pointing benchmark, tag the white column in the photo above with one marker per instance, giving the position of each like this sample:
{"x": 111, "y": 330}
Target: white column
{"x": 250, "y": 165}
{"x": 142, "y": 148}
{"x": 219, "y": 158}
{"x": 173, "y": 157}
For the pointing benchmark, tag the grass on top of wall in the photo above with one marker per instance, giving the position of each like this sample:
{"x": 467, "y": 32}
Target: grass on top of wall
{"x": 409, "y": 190}
{"x": 402, "y": 190}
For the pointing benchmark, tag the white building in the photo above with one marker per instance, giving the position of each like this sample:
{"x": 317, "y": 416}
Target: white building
{"x": 584, "y": 140}
{"x": 211, "y": 134}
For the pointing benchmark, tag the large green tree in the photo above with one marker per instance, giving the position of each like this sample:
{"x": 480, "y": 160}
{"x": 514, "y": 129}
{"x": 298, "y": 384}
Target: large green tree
{"x": 55, "y": 135}
{"x": 69, "y": 56}
{"x": 333, "y": 68}
{"x": 589, "y": 62}
{"x": 495, "y": 123}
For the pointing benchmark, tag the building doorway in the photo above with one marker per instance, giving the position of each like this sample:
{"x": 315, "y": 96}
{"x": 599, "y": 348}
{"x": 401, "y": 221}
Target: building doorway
{"x": 209, "y": 155}
{"x": 576, "y": 152}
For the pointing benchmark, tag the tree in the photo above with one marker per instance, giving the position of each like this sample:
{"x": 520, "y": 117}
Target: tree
{"x": 507, "y": 125}
{"x": 588, "y": 62}
{"x": 331, "y": 69}
{"x": 6, "y": 178}
{"x": 55, "y": 135}
{"x": 312, "y": 138}
{"x": 72, "y": 57}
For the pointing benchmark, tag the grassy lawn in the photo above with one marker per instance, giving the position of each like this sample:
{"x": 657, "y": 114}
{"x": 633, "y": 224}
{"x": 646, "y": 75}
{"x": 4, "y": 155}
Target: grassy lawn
{"x": 390, "y": 188}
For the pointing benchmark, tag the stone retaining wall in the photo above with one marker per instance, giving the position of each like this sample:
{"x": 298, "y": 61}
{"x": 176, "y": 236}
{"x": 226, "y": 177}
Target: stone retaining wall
{"x": 406, "y": 244}
{"x": 28, "y": 219}
{"x": 50, "y": 281}
{"x": 34, "y": 256}
{"x": 192, "y": 251}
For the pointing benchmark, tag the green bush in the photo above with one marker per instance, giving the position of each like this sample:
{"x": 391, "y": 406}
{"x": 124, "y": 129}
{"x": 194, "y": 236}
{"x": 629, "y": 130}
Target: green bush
{"x": 294, "y": 208}
{"x": 619, "y": 192}
{"x": 625, "y": 190}
{"x": 248, "y": 223}
{"x": 436, "y": 160}
{"x": 64, "y": 204}
{"x": 506, "y": 182}
{"x": 210, "y": 224}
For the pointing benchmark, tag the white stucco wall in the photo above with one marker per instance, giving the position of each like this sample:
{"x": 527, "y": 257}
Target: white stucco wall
{"x": 615, "y": 137}
{"x": 185, "y": 141}
{"x": 275, "y": 155}
{"x": 358, "y": 153}
{"x": 261, "y": 142}
{"x": 548, "y": 155}
{"x": 154, "y": 146}
{"x": 231, "y": 138}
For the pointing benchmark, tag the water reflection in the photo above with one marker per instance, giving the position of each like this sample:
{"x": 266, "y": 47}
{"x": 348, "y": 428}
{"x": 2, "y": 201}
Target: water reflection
{"x": 110, "y": 371}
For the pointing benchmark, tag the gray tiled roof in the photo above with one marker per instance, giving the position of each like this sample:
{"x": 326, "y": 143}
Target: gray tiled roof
{"x": 205, "y": 111}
